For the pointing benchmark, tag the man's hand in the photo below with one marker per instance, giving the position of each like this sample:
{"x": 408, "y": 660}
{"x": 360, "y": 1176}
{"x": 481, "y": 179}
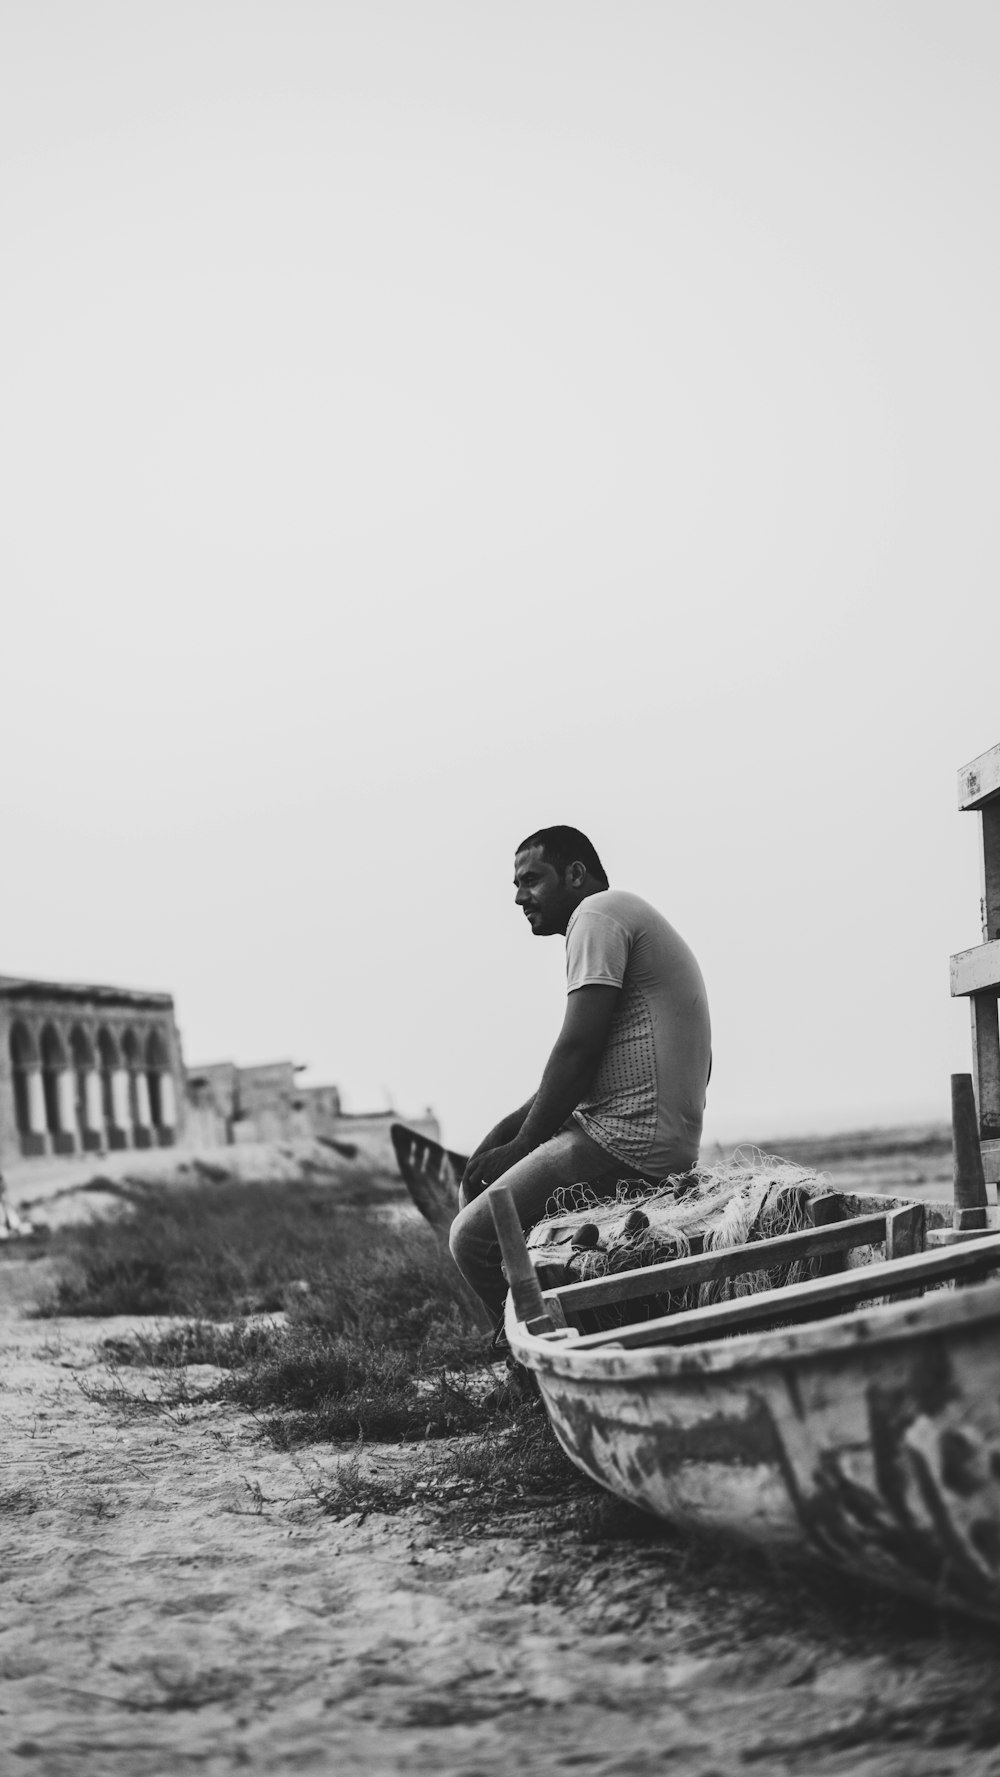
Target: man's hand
{"x": 568, "y": 1072}
{"x": 471, "y": 1184}
{"x": 500, "y": 1136}
{"x": 489, "y": 1165}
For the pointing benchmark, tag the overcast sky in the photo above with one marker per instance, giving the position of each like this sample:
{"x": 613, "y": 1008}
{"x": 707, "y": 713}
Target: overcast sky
{"x": 426, "y": 421}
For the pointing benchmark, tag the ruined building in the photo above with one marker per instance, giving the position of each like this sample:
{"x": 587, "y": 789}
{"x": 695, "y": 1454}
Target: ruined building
{"x": 86, "y": 1068}
{"x": 229, "y": 1104}
{"x": 93, "y": 1069}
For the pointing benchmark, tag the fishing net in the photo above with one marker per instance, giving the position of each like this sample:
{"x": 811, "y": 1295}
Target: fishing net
{"x": 752, "y": 1196}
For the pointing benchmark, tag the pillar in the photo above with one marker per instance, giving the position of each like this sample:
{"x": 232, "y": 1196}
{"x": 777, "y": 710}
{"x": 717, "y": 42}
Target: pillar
{"x": 142, "y": 1115}
{"x": 168, "y": 1101}
{"x": 34, "y": 1138}
{"x": 142, "y": 1134}
{"x": 66, "y": 1100}
{"x": 118, "y": 1135}
{"x": 93, "y": 1110}
{"x": 36, "y": 1101}
{"x": 64, "y": 1138}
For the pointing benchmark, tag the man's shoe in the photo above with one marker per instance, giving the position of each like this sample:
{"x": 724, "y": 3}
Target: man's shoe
{"x": 521, "y": 1381}
{"x": 514, "y": 1387}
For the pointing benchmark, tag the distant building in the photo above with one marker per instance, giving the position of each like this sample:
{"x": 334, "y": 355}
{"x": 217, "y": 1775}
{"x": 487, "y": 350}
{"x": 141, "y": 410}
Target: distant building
{"x": 226, "y": 1103}
{"x": 87, "y": 1069}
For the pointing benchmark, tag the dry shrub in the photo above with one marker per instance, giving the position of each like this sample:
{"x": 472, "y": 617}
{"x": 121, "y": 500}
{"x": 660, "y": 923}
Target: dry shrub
{"x": 374, "y": 1338}
{"x": 220, "y": 1251}
{"x": 514, "y": 1465}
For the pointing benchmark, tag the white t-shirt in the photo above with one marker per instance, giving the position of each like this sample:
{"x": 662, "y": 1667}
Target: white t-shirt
{"x": 646, "y": 1101}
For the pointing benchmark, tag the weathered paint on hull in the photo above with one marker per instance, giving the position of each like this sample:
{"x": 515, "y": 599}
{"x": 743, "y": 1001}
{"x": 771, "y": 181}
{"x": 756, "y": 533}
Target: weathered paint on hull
{"x": 873, "y": 1441}
{"x": 709, "y": 1459}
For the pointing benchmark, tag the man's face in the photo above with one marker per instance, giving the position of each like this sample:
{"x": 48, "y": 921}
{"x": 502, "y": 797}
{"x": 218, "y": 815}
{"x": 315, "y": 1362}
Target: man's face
{"x": 543, "y": 894}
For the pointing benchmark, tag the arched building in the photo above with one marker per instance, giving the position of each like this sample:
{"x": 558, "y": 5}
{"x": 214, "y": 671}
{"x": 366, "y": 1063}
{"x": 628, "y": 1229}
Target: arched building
{"x": 87, "y": 1069}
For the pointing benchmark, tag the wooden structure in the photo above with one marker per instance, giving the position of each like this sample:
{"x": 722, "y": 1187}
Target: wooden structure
{"x": 845, "y": 1418}
{"x": 975, "y": 974}
{"x": 431, "y": 1173}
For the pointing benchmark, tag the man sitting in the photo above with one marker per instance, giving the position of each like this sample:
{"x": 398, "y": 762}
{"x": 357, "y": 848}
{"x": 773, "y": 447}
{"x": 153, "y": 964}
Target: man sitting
{"x": 623, "y": 1091}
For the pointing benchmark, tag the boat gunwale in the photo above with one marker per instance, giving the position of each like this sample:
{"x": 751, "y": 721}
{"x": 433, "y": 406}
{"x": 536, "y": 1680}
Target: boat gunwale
{"x": 741, "y": 1354}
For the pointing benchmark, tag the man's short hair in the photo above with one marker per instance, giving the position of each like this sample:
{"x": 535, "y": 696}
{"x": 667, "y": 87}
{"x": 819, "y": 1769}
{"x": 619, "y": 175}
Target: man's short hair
{"x": 563, "y": 846}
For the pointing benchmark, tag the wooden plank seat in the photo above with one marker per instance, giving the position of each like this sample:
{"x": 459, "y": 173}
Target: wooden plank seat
{"x": 902, "y": 1230}
{"x": 799, "y": 1301}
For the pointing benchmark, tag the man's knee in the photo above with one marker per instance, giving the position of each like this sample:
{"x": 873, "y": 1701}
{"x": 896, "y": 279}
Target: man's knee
{"x": 472, "y": 1238}
{"x": 455, "y": 1237}
{"x": 461, "y": 1238}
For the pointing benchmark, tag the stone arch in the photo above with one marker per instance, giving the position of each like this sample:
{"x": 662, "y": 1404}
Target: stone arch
{"x": 24, "y": 1063}
{"x": 53, "y": 1053}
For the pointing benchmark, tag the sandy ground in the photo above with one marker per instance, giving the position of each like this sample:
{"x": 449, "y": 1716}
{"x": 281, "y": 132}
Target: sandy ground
{"x": 174, "y": 1599}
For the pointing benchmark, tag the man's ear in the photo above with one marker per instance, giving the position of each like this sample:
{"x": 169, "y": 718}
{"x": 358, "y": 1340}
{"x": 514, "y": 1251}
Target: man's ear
{"x": 576, "y": 875}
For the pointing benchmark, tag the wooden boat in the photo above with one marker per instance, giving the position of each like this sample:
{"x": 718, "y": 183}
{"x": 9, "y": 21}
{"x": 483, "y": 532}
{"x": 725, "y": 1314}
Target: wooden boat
{"x": 854, "y": 1415}
{"x": 802, "y": 1416}
{"x": 431, "y": 1173}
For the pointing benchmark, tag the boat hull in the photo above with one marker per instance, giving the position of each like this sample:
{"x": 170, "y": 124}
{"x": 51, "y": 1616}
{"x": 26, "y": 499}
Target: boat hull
{"x": 871, "y": 1441}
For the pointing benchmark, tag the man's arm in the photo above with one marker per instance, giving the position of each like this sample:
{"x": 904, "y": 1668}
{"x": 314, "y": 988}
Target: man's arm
{"x": 568, "y": 1072}
{"x": 507, "y": 1127}
{"x": 501, "y": 1133}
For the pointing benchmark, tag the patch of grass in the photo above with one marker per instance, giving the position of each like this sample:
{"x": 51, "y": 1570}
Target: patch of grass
{"x": 513, "y": 1466}
{"x": 516, "y": 1466}
{"x": 228, "y": 1346}
{"x": 375, "y": 1338}
{"x": 193, "y": 1250}
{"x": 317, "y": 1384}
{"x": 333, "y": 1388}
{"x": 171, "y": 1397}
{"x": 222, "y": 1251}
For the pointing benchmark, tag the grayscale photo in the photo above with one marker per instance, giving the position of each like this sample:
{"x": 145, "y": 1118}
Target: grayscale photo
{"x": 500, "y": 917}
